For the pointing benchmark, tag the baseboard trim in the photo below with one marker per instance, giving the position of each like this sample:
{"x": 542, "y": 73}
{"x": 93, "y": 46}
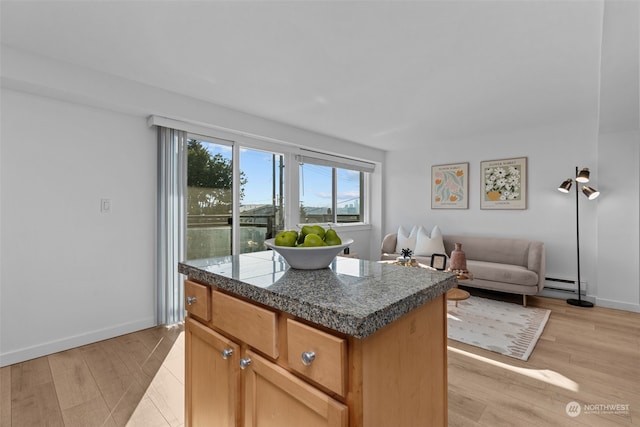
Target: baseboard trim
{"x": 600, "y": 302}
{"x": 619, "y": 305}
{"x": 28, "y": 353}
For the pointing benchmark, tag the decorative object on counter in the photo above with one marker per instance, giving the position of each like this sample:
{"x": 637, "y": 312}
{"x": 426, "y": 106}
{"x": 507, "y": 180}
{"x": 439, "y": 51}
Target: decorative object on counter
{"x": 458, "y": 260}
{"x": 501, "y": 327}
{"x": 308, "y": 258}
{"x": 590, "y": 193}
{"x": 439, "y": 261}
{"x": 449, "y": 186}
{"x": 504, "y": 184}
{"x": 406, "y": 255}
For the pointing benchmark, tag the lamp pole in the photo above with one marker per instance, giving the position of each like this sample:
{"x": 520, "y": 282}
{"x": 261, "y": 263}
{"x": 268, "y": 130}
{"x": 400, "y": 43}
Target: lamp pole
{"x": 579, "y": 301}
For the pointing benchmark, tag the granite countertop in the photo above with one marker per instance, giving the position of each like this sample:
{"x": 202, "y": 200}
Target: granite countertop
{"x": 352, "y": 296}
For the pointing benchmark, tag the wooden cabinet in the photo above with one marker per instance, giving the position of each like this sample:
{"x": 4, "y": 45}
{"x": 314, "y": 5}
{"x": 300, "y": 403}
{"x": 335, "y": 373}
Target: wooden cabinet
{"x": 212, "y": 377}
{"x": 276, "y": 398}
{"x": 197, "y": 300}
{"x": 299, "y": 374}
{"x": 318, "y": 356}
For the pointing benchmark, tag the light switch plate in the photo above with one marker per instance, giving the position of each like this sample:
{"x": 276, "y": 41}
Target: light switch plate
{"x": 105, "y": 205}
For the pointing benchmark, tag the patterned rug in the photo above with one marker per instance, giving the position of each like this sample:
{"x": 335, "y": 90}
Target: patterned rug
{"x": 502, "y": 327}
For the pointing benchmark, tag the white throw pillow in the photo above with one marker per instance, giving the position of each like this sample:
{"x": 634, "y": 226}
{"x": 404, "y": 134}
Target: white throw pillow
{"x": 428, "y": 245}
{"x": 406, "y": 240}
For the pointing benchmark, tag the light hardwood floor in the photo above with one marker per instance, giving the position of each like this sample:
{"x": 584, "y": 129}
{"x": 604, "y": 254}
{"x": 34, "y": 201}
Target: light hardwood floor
{"x": 590, "y": 356}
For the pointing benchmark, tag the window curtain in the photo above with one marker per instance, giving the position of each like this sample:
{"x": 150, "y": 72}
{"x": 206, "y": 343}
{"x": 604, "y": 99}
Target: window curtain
{"x": 172, "y": 177}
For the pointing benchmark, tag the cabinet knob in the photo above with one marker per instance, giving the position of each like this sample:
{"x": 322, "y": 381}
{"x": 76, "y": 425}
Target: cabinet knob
{"x": 308, "y": 357}
{"x": 244, "y": 363}
{"x": 191, "y": 300}
{"x": 226, "y": 353}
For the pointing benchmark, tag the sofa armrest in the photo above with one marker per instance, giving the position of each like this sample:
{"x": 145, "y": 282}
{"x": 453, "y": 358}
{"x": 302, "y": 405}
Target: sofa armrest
{"x": 389, "y": 243}
{"x": 537, "y": 262}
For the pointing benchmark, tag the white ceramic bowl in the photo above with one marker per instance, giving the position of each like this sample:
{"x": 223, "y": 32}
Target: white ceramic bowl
{"x": 312, "y": 258}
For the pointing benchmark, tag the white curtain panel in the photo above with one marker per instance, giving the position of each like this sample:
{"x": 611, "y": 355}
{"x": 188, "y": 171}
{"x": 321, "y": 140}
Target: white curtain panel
{"x": 171, "y": 235}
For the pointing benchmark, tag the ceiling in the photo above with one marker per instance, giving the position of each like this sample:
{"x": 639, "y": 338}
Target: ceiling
{"x": 384, "y": 73}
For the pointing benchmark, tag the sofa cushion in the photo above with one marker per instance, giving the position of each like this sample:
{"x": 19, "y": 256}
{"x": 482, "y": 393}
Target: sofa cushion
{"x": 506, "y": 273}
{"x": 492, "y": 249}
{"x": 406, "y": 240}
{"x": 428, "y": 245}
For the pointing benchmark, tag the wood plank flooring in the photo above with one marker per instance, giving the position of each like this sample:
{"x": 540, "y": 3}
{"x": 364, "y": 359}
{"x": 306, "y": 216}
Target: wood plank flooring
{"x": 136, "y": 380}
{"x": 590, "y": 356}
{"x": 586, "y": 355}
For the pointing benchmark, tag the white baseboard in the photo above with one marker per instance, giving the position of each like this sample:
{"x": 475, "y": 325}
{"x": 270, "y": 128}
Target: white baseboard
{"x": 564, "y": 294}
{"x": 620, "y": 305}
{"x": 601, "y": 302}
{"x": 28, "y": 353}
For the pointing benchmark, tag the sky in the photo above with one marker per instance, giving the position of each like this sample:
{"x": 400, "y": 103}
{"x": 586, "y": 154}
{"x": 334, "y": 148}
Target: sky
{"x": 257, "y": 167}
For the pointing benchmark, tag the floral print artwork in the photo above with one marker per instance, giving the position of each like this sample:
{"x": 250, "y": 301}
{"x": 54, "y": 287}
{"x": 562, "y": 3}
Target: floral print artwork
{"x": 449, "y": 186}
{"x": 503, "y": 184}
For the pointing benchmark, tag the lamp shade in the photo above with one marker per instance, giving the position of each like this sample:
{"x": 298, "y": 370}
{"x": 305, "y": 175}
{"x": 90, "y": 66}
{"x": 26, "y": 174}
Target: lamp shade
{"x": 583, "y": 176}
{"x": 591, "y": 193}
{"x": 565, "y": 186}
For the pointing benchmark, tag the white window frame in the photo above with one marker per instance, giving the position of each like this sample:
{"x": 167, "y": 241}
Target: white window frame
{"x": 292, "y": 155}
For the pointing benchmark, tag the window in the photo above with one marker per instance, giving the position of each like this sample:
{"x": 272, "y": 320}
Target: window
{"x": 261, "y": 198}
{"x": 332, "y": 189}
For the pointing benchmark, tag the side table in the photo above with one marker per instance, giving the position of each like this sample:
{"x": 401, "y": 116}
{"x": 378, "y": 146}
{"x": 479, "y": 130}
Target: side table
{"x": 456, "y": 294}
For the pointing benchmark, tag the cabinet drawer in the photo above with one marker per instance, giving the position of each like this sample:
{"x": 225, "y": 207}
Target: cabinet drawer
{"x": 251, "y": 324}
{"x": 328, "y": 354}
{"x": 197, "y": 299}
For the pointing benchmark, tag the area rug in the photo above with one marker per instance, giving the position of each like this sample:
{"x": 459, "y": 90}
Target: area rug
{"x": 502, "y": 327}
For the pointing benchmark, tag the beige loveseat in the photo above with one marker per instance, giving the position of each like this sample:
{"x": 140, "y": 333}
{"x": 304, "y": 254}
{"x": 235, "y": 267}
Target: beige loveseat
{"x": 501, "y": 264}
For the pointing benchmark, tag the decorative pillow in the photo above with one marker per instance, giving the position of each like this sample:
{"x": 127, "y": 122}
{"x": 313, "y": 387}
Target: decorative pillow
{"x": 427, "y": 246}
{"x": 406, "y": 240}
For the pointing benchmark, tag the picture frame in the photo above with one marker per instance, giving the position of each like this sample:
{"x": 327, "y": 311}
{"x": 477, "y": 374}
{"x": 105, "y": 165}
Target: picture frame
{"x": 450, "y": 186}
{"x": 439, "y": 261}
{"x": 503, "y": 183}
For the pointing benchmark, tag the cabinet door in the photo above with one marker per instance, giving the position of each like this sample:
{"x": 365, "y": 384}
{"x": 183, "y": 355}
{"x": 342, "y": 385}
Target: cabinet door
{"x": 212, "y": 378}
{"x": 276, "y": 398}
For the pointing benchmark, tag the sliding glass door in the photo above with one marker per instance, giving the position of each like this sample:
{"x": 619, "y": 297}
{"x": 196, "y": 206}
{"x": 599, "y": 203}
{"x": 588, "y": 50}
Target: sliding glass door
{"x": 209, "y": 201}
{"x": 223, "y": 219}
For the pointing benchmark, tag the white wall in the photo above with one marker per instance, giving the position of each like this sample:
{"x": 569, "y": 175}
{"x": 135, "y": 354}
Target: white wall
{"x": 608, "y": 143}
{"x": 552, "y": 155}
{"x": 71, "y": 274}
{"x": 609, "y": 225}
{"x": 619, "y": 221}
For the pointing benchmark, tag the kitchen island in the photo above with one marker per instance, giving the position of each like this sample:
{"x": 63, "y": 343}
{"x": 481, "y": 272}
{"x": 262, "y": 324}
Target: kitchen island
{"x": 360, "y": 343}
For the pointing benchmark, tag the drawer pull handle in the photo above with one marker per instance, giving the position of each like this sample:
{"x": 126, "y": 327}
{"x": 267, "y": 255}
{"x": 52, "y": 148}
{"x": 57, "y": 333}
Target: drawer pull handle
{"x": 244, "y": 363}
{"x": 308, "y": 357}
{"x": 191, "y": 300}
{"x": 226, "y": 353}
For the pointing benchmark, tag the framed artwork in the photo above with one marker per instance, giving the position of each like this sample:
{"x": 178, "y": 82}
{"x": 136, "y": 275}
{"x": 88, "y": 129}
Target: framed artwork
{"x": 450, "y": 186}
{"x": 503, "y": 184}
{"x": 439, "y": 261}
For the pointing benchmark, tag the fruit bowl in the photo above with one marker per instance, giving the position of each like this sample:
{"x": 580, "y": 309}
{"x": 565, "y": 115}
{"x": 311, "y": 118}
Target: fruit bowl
{"x": 308, "y": 258}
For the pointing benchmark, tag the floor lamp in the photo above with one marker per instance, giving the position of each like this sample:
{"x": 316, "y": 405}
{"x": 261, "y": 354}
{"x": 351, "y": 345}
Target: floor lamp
{"x": 590, "y": 193}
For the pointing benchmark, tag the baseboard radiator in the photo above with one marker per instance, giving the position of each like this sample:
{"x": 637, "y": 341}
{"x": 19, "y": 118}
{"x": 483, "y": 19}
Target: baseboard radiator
{"x": 568, "y": 286}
